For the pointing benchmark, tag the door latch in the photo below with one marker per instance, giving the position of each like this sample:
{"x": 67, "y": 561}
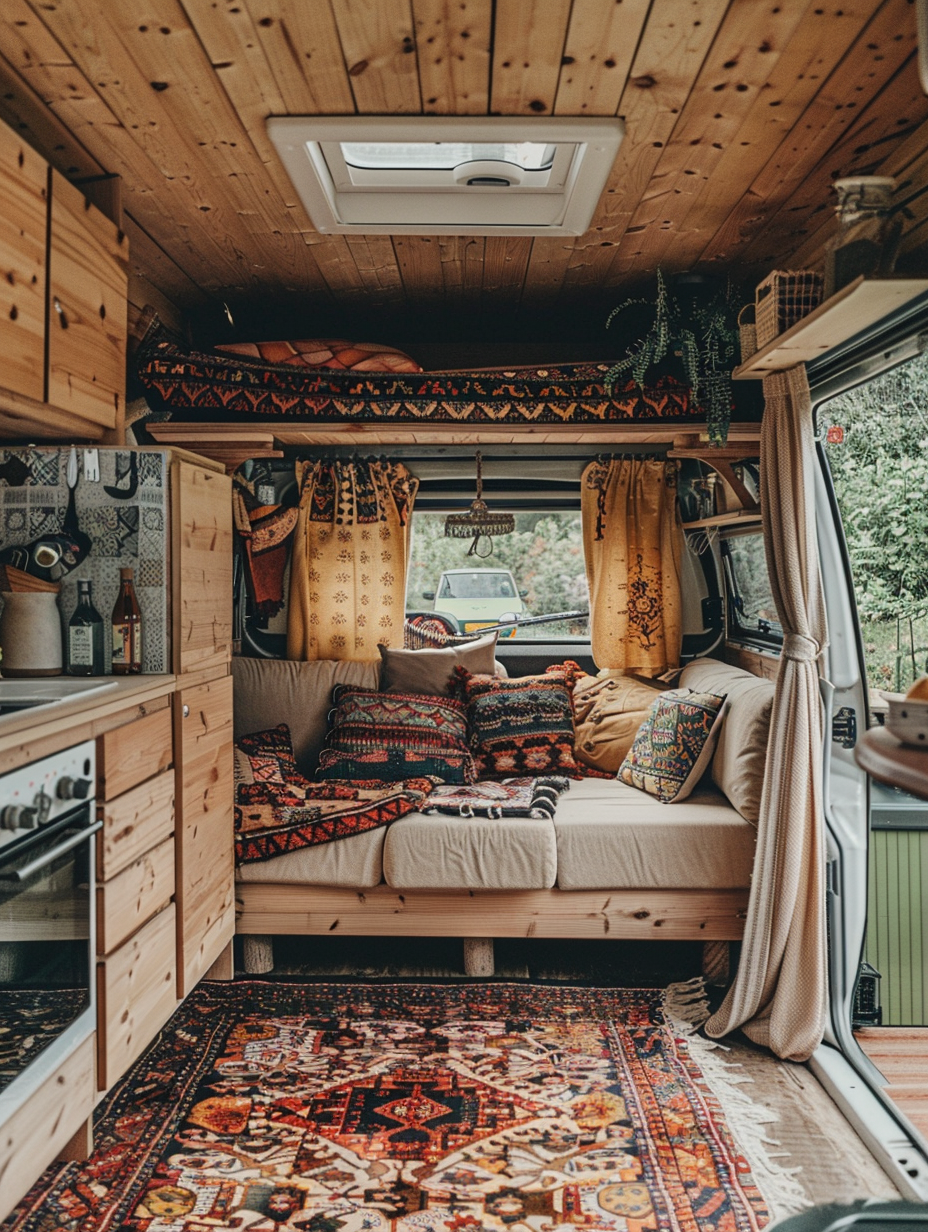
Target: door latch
{"x": 844, "y": 727}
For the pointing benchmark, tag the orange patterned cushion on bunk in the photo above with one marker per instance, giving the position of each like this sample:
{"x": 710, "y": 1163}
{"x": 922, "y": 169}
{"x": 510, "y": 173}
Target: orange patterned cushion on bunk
{"x": 325, "y": 353}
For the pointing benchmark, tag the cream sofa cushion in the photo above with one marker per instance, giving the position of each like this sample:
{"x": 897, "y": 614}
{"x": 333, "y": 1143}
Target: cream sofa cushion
{"x": 271, "y": 691}
{"x": 438, "y": 852}
{"x": 613, "y": 837}
{"x": 354, "y": 863}
{"x": 738, "y": 763}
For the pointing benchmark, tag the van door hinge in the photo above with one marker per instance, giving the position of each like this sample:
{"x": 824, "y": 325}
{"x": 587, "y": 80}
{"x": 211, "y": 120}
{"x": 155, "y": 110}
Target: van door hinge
{"x": 844, "y": 727}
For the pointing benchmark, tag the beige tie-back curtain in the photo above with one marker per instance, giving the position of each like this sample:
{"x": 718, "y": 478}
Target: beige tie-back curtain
{"x": 779, "y": 994}
{"x": 633, "y": 542}
{"x": 350, "y": 557}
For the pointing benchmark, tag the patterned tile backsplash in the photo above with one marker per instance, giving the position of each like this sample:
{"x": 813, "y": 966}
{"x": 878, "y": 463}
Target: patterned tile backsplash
{"x": 124, "y": 532}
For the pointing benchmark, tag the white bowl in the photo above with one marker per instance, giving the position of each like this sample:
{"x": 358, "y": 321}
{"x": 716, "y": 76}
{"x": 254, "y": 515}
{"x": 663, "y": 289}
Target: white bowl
{"x": 908, "y": 721}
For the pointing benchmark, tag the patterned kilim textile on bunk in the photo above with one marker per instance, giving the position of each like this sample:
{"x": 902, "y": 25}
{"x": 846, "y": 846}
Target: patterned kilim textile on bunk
{"x": 411, "y": 1108}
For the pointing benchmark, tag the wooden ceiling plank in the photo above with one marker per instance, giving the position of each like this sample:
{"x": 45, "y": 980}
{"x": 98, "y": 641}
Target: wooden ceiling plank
{"x": 190, "y": 133}
{"x": 149, "y": 261}
{"x": 378, "y": 40}
{"x": 528, "y": 42}
{"x": 813, "y": 52}
{"x": 896, "y": 111}
{"x": 875, "y": 58}
{"x": 419, "y": 261}
{"x": 161, "y": 210}
{"x": 672, "y": 49}
{"x": 505, "y": 263}
{"x": 598, "y": 54}
{"x": 375, "y": 260}
{"x": 546, "y": 269}
{"x": 27, "y": 114}
{"x": 746, "y": 46}
{"x": 301, "y": 46}
{"x": 453, "y": 42}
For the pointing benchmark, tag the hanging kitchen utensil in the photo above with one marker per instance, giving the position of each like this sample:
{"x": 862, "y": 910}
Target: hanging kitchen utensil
{"x": 73, "y": 543}
{"x": 130, "y": 471}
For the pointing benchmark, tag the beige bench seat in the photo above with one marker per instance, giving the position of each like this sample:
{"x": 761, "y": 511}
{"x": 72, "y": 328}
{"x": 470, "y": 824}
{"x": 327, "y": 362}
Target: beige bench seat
{"x": 441, "y": 852}
{"x": 613, "y": 837}
{"x": 354, "y": 863}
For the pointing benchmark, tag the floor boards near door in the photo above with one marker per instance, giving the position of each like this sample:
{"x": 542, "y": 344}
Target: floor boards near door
{"x": 901, "y": 1056}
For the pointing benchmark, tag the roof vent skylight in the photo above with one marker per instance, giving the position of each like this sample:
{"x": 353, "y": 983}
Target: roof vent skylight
{"x": 432, "y": 175}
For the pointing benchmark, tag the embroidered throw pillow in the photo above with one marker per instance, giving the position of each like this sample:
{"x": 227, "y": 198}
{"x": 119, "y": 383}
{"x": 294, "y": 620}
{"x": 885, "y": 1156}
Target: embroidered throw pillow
{"x": 674, "y": 744}
{"x": 523, "y": 725}
{"x": 393, "y": 736}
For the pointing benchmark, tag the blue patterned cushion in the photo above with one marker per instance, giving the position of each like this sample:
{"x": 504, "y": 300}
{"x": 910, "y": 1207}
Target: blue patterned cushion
{"x": 393, "y": 736}
{"x": 674, "y": 744}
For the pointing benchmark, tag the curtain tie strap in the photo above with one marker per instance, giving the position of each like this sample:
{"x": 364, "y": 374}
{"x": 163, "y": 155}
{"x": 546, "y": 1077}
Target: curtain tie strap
{"x": 800, "y": 649}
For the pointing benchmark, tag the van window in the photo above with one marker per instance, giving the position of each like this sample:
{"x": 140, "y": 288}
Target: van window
{"x": 752, "y": 613}
{"x": 876, "y": 442}
{"x": 538, "y": 570}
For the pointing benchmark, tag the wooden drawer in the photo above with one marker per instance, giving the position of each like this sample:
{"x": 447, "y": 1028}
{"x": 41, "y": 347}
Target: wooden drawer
{"x": 136, "y": 996}
{"x": 128, "y": 755}
{"x": 37, "y": 1131}
{"x": 133, "y": 823}
{"x": 204, "y": 830}
{"x": 134, "y": 896}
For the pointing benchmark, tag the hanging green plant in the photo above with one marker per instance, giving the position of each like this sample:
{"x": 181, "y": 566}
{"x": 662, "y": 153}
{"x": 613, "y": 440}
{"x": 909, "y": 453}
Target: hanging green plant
{"x": 702, "y": 332}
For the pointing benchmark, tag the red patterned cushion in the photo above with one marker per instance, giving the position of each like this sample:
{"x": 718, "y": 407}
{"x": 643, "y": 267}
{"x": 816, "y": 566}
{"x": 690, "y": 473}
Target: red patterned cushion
{"x": 393, "y": 736}
{"x": 674, "y": 744}
{"x": 270, "y": 755}
{"x": 524, "y": 725}
{"x": 325, "y": 353}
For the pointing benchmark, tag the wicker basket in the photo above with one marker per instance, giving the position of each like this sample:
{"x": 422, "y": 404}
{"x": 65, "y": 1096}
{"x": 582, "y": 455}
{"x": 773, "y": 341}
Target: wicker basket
{"x": 747, "y": 331}
{"x": 783, "y": 298}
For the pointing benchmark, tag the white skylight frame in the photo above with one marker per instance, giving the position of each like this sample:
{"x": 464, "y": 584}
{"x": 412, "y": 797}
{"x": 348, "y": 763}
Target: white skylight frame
{"x": 346, "y": 200}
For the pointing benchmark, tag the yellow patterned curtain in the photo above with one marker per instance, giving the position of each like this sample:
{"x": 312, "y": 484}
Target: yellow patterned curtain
{"x": 633, "y": 543}
{"x": 350, "y": 554}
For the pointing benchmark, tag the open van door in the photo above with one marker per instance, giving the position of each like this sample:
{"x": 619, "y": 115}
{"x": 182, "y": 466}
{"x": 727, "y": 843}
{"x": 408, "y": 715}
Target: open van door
{"x": 857, "y": 525}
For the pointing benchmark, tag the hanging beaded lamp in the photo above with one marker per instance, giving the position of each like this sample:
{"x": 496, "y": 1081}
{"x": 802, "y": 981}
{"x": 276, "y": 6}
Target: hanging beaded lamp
{"x": 479, "y": 523}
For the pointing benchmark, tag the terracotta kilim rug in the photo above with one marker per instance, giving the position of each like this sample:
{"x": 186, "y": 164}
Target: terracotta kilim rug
{"x": 409, "y": 1107}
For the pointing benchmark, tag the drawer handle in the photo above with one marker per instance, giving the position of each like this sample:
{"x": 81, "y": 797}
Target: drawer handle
{"x": 186, "y": 712}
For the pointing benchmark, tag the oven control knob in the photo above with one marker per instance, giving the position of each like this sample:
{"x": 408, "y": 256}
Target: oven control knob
{"x": 18, "y": 817}
{"x": 43, "y": 806}
{"x": 72, "y": 789}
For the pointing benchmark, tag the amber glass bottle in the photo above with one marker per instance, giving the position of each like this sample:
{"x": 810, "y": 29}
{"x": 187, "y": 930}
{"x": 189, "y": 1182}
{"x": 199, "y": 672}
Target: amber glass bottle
{"x": 127, "y": 628}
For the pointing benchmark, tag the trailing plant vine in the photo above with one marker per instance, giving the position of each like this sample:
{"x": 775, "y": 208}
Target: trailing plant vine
{"x": 703, "y": 334}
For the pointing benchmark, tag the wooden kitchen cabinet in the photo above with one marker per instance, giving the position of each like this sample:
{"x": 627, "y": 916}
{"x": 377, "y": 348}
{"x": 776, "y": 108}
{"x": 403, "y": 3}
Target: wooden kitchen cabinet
{"x": 23, "y": 206}
{"x": 204, "y": 840}
{"x": 87, "y": 305}
{"x": 201, "y": 569}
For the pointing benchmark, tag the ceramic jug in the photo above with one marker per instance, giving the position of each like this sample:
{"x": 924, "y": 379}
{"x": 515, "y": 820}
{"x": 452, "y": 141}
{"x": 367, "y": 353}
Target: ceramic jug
{"x": 30, "y": 634}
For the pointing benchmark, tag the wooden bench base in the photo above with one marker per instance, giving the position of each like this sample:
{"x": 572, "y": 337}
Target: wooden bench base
{"x": 266, "y": 910}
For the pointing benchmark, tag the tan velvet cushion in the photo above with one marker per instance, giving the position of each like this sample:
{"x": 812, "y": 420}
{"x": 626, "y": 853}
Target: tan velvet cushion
{"x": 738, "y": 763}
{"x": 432, "y": 671}
{"x": 612, "y": 837}
{"x": 438, "y": 852}
{"x": 271, "y": 691}
{"x": 609, "y": 710}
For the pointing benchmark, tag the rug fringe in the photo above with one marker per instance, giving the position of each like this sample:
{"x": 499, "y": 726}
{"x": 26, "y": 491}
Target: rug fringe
{"x": 686, "y": 1008}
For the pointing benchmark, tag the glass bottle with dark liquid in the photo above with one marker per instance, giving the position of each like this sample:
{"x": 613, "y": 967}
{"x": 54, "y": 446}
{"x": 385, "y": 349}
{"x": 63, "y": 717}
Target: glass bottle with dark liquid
{"x": 85, "y": 636}
{"x": 127, "y": 628}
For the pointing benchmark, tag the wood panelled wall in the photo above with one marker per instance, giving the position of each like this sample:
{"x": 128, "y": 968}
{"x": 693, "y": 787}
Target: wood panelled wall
{"x": 739, "y": 113}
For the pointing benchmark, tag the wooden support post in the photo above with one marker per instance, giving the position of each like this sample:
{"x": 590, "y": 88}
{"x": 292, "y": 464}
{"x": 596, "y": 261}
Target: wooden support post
{"x": 478, "y": 956}
{"x": 259, "y": 954}
{"x": 716, "y": 962}
{"x": 80, "y": 1146}
{"x": 224, "y": 966}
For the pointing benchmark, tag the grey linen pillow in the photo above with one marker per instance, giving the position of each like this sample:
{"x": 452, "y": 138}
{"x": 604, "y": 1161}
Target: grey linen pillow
{"x": 432, "y": 671}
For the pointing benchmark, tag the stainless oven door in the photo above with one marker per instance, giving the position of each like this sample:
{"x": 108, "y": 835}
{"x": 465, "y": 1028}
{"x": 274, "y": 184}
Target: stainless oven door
{"x": 47, "y": 945}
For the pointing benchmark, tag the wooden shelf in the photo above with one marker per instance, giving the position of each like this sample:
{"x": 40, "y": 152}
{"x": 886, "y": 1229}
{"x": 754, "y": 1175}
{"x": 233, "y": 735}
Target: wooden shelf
{"x": 737, "y": 517}
{"x": 890, "y": 761}
{"x": 860, "y": 304}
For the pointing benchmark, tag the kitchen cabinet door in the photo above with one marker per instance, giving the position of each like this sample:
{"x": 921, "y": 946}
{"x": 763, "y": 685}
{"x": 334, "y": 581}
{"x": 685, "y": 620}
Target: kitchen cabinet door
{"x": 201, "y": 573}
{"x": 88, "y": 286}
{"x": 203, "y": 832}
{"x": 23, "y": 209}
